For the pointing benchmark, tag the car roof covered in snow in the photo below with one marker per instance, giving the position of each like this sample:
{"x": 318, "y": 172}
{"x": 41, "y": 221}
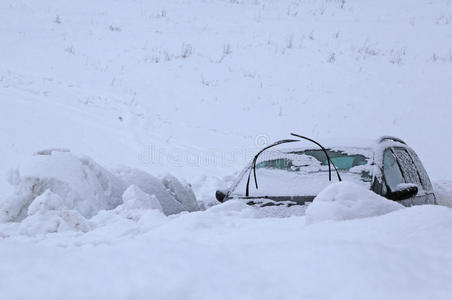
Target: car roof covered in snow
{"x": 345, "y": 144}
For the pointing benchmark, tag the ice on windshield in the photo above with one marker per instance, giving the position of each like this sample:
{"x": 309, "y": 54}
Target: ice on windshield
{"x": 305, "y": 172}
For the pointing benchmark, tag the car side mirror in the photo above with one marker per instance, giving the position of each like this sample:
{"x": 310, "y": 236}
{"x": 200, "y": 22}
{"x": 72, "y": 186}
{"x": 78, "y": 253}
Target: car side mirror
{"x": 220, "y": 195}
{"x": 403, "y": 192}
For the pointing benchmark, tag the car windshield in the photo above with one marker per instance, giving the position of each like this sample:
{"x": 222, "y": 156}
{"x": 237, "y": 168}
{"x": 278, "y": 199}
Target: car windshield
{"x": 305, "y": 172}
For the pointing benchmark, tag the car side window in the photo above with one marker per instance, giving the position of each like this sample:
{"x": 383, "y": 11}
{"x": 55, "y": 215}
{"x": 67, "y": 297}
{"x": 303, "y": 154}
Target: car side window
{"x": 425, "y": 180}
{"x": 392, "y": 173}
{"x": 409, "y": 169}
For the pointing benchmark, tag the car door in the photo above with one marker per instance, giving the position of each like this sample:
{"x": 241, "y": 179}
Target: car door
{"x": 426, "y": 184}
{"x": 392, "y": 175}
{"x": 412, "y": 174}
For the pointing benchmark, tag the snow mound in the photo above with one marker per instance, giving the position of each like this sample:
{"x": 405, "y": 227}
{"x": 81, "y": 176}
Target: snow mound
{"x": 174, "y": 199}
{"x": 81, "y": 184}
{"x": 47, "y": 214}
{"x": 57, "y": 181}
{"x": 346, "y": 201}
{"x": 443, "y": 192}
{"x": 136, "y": 206}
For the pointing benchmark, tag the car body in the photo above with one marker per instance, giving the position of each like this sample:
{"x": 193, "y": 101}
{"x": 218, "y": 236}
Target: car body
{"x": 295, "y": 176}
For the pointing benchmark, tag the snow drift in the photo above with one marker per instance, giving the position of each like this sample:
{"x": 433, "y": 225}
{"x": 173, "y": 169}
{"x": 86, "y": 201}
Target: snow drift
{"x": 56, "y": 180}
{"x": 346, "y": 201}
{"x": 174, "y": 197}
{"x": 443, "y": 191}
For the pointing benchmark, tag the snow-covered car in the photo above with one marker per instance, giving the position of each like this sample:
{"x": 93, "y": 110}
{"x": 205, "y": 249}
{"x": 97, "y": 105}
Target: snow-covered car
{"x": 291, "y": 176}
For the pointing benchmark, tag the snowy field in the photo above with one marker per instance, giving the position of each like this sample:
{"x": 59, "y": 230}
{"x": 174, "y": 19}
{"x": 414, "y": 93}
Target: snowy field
{"x": 163, "y": 102}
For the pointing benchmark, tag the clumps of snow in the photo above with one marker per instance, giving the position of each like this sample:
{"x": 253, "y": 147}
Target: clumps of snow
{"x": 82, "y": 184}
{"x": 56, "y": 191}
{"x": 181, "y": 193}
{"x": 48, "y": 201}
{"x": 443, "y": 192}
{"x": 136, "y": 206}
{"x": 47, "y": 213}
{"x": 173, "y": 196}
{"x": 346, "y": 201}
{"x": 135, "y": 198}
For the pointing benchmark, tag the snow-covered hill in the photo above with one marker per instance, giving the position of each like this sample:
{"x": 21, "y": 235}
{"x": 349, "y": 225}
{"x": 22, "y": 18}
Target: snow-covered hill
{"x": 201, "y": 81}
{"x": 194, "y": 88}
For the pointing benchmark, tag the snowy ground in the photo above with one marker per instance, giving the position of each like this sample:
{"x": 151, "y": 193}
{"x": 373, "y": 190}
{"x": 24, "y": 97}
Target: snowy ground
{"x": 194, "y": 88}
{"x": 229, "y": 253}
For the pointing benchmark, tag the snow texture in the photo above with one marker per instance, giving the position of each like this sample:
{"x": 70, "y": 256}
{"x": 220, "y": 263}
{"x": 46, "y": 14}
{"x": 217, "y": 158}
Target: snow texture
{"x": 443, "y": 192}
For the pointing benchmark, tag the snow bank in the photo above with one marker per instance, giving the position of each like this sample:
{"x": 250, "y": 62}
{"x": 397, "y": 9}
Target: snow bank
{"x": 174, "y": 197}
{"x": 218, "y": 254}
{"x": 64, "y": 190}
{"x": 345, "y": 201}
{"x": 81, "y": 184}
{"x": 443, "y": 192}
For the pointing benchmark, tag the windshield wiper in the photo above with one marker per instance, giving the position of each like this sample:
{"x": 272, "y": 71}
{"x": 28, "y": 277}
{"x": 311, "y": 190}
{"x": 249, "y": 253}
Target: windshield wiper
{"x": 326, "y": 153}
{"x": 253, "y": 165}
